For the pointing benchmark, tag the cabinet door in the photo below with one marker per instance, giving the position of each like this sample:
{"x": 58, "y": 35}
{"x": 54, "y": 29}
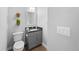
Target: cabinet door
{"x": 35, "y": 38}
{"x": 31, "y": 40}
{"x": 38, "y": 37}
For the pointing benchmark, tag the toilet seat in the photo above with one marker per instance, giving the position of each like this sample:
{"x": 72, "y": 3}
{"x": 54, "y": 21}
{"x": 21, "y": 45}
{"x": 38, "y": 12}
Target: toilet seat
{"x": 18, "y": 46}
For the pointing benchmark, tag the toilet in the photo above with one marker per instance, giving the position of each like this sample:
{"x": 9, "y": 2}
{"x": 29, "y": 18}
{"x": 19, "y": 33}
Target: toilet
{"x": 19, "y": 43}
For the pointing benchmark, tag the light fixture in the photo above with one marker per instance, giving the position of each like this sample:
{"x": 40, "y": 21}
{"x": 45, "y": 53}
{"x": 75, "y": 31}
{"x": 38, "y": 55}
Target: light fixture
{"x": 31, "y": 9}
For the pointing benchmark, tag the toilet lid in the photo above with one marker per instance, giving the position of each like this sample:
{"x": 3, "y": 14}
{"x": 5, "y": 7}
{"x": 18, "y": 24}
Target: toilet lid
{"x": 19, "y": 44}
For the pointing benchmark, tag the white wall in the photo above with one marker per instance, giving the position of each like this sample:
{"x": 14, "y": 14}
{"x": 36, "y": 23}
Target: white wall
{"x": 42, "y": 18}
{"x": 3, "y": 28}
{"x": 60, "y": 16}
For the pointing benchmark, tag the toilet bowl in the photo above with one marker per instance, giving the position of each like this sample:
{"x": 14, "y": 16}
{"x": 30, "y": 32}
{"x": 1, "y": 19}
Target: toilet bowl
{"x": 19, "y": 43}
{"x": 18, "y": 46}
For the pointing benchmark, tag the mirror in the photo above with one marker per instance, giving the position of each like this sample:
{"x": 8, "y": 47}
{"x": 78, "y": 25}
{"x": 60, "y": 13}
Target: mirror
{"x": 32, "y": 16}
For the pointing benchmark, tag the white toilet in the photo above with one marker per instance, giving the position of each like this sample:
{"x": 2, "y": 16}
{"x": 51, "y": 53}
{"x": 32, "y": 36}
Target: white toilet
{"x": 19, "y": 43}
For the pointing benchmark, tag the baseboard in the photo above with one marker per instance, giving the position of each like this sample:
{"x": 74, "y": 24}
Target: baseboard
{"x": 45, "y": 46}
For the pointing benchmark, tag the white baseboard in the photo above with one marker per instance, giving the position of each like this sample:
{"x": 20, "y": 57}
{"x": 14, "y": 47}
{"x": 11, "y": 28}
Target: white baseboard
{"x": 45, "y": 46}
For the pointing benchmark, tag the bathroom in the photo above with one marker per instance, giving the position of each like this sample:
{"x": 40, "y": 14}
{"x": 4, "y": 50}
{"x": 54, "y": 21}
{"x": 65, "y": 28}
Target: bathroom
{"x": 31, "y": 19}
{"x": 42, "y": 28}
{"x": 28, "y": 18}
{"x": 39, "y": 29}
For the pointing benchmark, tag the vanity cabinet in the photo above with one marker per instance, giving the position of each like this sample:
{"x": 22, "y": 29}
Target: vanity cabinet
{"x": 33, "y": 38}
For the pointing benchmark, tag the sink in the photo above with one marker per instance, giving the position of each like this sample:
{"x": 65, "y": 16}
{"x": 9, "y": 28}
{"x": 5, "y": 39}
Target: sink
{"x": 33, "y": 29}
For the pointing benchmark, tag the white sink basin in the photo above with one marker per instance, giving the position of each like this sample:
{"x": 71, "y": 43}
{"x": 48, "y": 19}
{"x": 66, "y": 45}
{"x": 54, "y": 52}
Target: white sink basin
{"x": 33, "y": 29}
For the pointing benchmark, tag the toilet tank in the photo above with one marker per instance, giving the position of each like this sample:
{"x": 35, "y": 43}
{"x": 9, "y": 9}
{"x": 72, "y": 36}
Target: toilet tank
{"x": 17, "y": 36}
